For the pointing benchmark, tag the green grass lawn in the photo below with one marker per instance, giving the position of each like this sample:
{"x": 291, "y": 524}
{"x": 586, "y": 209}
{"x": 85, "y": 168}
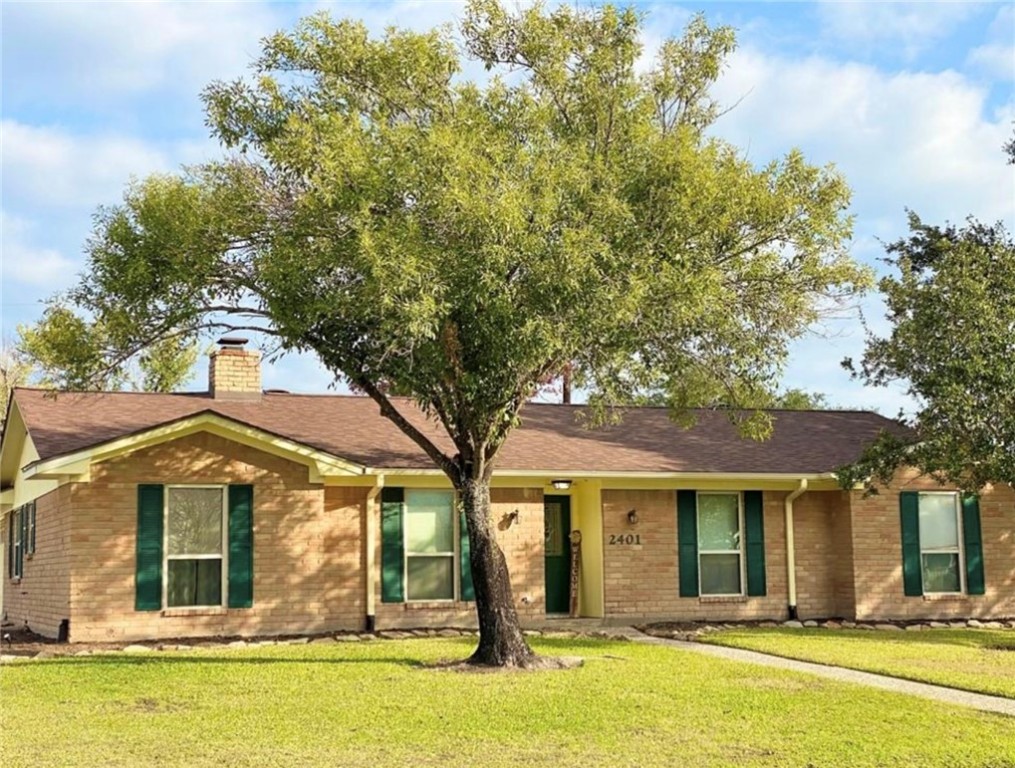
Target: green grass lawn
{"x": 963, "y": 658}
{"x": 371, "y": 704}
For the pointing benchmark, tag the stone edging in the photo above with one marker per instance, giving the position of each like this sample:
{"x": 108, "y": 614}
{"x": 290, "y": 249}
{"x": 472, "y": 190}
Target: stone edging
{"x": 53, "y": 650}
{"x": 691, "y": 631}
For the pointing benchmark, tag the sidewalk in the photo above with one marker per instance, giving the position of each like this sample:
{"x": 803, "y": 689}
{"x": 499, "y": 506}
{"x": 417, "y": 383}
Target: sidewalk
{"x": 959, "y": 698}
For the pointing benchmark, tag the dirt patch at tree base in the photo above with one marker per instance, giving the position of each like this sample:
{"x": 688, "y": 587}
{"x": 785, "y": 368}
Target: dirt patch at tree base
{"x": 533, "y": 664}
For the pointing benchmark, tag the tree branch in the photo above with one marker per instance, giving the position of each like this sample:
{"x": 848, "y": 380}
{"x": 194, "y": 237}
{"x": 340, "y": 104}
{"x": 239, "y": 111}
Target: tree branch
{"x": 388, "y": 410}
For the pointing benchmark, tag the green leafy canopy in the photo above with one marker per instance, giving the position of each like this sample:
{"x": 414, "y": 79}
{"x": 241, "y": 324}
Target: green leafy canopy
{"x": 461, "y": 242}
{"x": 952, "y": 340}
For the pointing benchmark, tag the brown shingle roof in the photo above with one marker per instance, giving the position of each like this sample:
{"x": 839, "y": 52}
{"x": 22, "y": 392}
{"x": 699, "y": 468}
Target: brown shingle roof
{"x": 550, "y": 437}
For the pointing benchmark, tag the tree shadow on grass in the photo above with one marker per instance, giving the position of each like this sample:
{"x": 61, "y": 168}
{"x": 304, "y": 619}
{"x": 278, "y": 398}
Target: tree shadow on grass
{"x": 184, "y": 659}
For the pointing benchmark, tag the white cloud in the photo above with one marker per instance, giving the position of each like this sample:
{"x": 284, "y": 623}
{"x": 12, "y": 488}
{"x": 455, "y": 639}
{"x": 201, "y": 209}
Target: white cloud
{"x": 917, "y": 140}
{"x": 996, "y": 60}
{"x": 105, "y": 50}
{"x": 908, "y": 27}
{"x": 53, "y": 167}
{"x": 924, "y": 141}
{"x": 27, "y": 264}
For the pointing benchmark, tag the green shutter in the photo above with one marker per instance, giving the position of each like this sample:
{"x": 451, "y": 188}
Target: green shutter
{"x": 241, "y": 546}
{"x": 10, "y": 544}
{"x": 467, "y": 591}
{"x": 972, "y": 538}
{"x": 687, "y": 541}
{"x": 148, "y": 578}
{"x": 909, "y": 513}
{"x": 754, "y": 538}
{"x": 392, "y": 546}
{"x": 32, "y": 529}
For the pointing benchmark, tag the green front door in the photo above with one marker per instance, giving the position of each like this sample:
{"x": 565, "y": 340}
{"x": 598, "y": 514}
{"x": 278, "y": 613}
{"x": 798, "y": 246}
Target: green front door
{"x": 557, "y": 550}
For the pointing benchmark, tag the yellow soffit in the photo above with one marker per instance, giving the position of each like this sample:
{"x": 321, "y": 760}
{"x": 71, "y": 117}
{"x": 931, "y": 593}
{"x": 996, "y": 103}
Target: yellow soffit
{"x": 77, "y": 465}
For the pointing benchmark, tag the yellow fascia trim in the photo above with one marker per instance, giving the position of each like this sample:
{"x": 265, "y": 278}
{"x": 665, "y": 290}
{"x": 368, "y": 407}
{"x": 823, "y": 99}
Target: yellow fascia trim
{"x": 321, "y": 465}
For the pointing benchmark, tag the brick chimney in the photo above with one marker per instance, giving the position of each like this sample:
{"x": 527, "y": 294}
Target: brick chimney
{"x": 234, "y": 373}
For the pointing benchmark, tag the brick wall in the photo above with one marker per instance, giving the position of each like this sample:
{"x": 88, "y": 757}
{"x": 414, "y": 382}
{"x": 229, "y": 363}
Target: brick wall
{"x": 307, "y": 552}
{"x": 842, "y": 536}
{"x": 817, "y": 553}
{"x": 877, "y": 564}
{"x": 641, "y": 579}
{"x": 522, "y": 542}
{"x": 42, "y": 596}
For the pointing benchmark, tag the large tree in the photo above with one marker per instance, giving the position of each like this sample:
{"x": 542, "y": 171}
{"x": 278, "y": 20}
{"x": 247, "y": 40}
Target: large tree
{"x": 952, "y": 342}
{"x": 464, "y": 242}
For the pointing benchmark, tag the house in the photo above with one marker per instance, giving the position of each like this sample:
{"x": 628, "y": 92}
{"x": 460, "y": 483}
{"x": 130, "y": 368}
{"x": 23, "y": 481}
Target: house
{"x": 242, "y": 512}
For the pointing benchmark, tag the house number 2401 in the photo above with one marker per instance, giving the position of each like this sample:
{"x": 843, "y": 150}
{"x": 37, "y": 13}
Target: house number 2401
{"x": 625, "y": 538}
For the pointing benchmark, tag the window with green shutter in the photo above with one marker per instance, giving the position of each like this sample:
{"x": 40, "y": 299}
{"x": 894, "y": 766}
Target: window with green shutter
{"x": 424, "y": 546}
{"x": 20, "y": 538}
{"x": 942, "y": 550}
{"x": 194, "y": 546}
{"x": 721, "y": 543}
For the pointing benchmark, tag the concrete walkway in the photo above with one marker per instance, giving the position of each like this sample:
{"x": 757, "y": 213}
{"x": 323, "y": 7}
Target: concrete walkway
{"x": 979, "y": 701}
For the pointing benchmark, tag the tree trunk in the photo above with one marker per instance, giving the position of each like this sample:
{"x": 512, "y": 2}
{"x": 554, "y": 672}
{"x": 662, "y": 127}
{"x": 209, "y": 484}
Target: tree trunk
{"x": 501, "y": 643}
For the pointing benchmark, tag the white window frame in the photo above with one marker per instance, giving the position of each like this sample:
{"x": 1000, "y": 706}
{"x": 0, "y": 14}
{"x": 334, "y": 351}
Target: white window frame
{"x": 456, "y": 538}
{"x": 740, "y": 540}
{"x": 958, "y": 549}
{"x": 166, "y": 557}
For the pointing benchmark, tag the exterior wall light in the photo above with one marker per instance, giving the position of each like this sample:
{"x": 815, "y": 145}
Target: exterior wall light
{"x": 561, "y": 485}
{"x": 632, "y": 517}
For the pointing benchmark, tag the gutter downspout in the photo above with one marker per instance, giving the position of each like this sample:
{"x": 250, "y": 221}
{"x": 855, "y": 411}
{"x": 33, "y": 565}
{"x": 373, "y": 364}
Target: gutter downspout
{"x": 791, "y": 547}
{"x": 372, "y": 516}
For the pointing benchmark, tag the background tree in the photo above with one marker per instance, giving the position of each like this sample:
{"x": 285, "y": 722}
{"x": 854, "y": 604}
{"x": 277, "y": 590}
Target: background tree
{"x": 15, "y": 371}
{"x": 63, "y": 350}
{"x": 461, "y": 243}
{"x": 952, "y": 310}
{"x": 791, "y": 399}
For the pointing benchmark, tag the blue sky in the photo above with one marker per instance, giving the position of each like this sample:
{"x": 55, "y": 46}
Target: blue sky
{"x": 912, "y": 101}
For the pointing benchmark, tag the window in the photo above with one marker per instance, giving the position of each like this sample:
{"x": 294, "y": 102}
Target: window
{"x": 940, "y": 542}
{"x": 20, "y": 539}
{"x": 195, "y": 545}
{"x": 720, "y": 544}
{"x": 430, "y": 545}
